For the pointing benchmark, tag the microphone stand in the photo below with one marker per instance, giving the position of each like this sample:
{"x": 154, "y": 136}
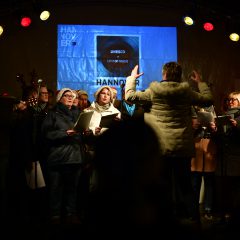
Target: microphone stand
{"x": 222, "y": 130}
{"x": 122, "y": 96}
{"x": 224, "y": 152}
{"x": 35, "y": 120}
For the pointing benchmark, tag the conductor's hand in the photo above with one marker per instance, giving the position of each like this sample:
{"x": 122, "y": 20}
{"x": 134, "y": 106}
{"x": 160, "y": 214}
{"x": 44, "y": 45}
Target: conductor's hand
{"x": 196, "y": 77}
{"x": 233, "y": 122}
{"x": 213, "y": 126}
{"x": 97, "y": 130}
{"x": 135, "y": 73}
{"x": 22, "y": 105}
{"x": 195, "y": 123}
{"x": 88, "y": 132}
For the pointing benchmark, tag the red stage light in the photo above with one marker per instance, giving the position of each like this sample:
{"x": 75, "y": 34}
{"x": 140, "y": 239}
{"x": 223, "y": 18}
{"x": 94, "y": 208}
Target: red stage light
{"x": 208, "y": 26}
{"x": 5, "y": 94}
{"x": 25, "y": 21}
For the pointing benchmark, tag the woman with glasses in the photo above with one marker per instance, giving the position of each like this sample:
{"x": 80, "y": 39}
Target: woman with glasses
{"x": 233, "y": 112}
{"x": 64, "y": 157}
{"x": 230, "y": 164}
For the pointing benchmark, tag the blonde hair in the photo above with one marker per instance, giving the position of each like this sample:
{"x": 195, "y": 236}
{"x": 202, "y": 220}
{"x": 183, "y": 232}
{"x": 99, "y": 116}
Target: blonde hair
{"x": 235, "y": 94}
{"x": 96, "y": 94}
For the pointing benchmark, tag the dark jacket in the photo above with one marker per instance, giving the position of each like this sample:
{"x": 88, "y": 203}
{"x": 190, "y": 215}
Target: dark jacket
{"x": 61, "y": 148}
{"x": 230, "y": 151}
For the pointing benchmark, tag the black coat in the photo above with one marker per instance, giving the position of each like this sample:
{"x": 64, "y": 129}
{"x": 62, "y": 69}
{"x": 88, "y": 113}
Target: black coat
{"x": 61, "y": 148}
{"x": 229, "y": 151}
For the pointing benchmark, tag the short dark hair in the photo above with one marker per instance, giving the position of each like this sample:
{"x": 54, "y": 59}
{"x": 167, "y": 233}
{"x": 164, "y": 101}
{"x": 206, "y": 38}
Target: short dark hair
{"x": 173, "y": 71}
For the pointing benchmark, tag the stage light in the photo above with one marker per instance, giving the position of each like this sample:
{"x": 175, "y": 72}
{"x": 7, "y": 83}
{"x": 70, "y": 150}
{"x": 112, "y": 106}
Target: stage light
{"x": 188, "y": 20}
{"x": 234, "y": 33}
{"x": 209, "y": 19}
{"x": 233, "y": 29}
{"x": 1, "y": 30}
{"x": 189, "y": 16}
{"x": 208, "y": 26}
{"x": 234, "y": 37}
{"x": 5, "y": 94}
{"x": 42, "y": 9}
{"x": 25, "y": 21}
{"x": 44, "y": 15}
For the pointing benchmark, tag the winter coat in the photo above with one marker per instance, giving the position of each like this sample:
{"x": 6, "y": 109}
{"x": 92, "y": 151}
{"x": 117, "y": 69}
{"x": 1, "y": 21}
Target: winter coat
{"x": 170, "y": 112}
{"x": 61, "y": 148}
{"x": 96, "y": 118}
{"x": 229, "y": 146}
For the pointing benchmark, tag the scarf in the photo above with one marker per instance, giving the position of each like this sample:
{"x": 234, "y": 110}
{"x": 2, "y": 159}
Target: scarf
{"x": 130, "y": 108}
{"x": 102, "y": 108}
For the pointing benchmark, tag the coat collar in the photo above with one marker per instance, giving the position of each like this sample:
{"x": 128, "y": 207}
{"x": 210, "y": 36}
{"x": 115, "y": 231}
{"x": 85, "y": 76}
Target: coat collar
{"x": 169, "y": 87}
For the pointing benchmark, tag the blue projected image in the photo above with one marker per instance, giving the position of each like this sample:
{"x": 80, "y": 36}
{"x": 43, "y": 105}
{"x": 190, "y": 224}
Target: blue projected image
{"x": 89, "y": 56}
{"x": 116, "y": 55}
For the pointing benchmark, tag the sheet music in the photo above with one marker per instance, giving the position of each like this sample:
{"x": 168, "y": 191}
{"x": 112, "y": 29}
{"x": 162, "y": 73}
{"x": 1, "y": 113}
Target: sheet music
{"x": 205, "y": 117}
{"x": 83, "y": 121}
{"x": 107, "y": 121}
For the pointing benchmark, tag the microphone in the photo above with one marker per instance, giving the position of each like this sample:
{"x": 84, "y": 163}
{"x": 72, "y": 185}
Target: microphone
{"x": 122, "y": 93}
{"x": 122, "y": 85}
{"x": 39, "y": 81}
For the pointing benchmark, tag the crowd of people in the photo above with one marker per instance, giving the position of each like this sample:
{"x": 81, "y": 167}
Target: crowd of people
{"x": 146, "y": 168}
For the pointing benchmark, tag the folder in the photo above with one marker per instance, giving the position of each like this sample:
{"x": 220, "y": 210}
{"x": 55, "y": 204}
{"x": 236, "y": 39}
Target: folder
{"x": 83, "y": 121}
{"x": 108, "y": 120}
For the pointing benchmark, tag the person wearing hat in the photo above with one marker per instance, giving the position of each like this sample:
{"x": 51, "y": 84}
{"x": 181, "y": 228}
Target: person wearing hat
{"x": 228, "y": 171}
{"x": 102, "y": 106}
{"x": 75, "y": 96}
{"x": 64, "y": 157}
{"x": 83, "y": 101}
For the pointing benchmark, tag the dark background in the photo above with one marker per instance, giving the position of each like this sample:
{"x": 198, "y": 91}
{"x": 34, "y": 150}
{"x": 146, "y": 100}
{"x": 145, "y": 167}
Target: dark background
{"x": 33, "y": 51}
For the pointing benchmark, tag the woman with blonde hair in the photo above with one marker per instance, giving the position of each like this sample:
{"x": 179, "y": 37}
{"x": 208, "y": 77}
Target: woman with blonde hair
{"x": 230, "y": 155}
{"x": 102, "y": 106}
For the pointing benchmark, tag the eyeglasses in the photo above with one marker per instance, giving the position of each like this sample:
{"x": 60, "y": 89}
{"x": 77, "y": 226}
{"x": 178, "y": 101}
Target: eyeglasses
{"x": 232, "y": 99}
{"x": 68, "y": 96}
{"x": 44, "y": 93}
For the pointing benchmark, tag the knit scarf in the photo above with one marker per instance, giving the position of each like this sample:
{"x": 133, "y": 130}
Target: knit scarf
{"x": 102, "y": 108}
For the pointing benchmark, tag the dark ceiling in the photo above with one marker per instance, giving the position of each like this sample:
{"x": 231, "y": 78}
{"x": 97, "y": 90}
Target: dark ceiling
{"x": 220, "y": 7}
